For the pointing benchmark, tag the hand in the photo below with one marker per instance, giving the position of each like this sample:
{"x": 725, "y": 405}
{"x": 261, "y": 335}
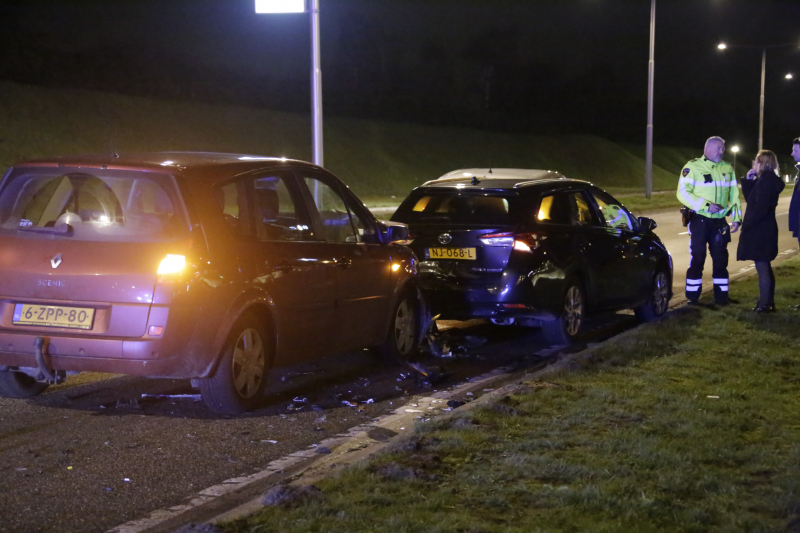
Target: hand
{"x": 714, "y": 208}
{"x": 734, "y": 227}
{"x": 752, "y": 174}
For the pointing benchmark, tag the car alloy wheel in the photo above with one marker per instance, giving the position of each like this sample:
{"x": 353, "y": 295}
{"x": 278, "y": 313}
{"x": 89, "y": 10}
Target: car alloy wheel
{"x": 405, "y": 327}
{"x": 248, "y": 364}
{"x": 573, "y": 311}
{"x": 660, "y": 294}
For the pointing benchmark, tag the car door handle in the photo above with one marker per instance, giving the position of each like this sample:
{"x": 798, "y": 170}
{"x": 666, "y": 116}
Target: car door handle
{"x": 344, "y": 263}
{"x": 283, "y": 266}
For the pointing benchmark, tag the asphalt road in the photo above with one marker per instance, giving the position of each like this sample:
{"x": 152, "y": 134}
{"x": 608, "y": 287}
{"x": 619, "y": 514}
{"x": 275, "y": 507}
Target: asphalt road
{"x": 102, "y": 450}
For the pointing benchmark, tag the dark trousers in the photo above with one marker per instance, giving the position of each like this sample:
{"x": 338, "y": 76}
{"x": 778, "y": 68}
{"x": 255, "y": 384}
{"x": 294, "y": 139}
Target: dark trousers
{"x": 766, "y": 283}
{"x": 712, "y": 234}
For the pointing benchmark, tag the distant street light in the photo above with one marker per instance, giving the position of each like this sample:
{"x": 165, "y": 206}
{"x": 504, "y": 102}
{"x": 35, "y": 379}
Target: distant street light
{"x": 299, "y": 6}
{"x": 735, "y": 150}
{"x": 724, "y": 46}
{"x": 648, "y": 159}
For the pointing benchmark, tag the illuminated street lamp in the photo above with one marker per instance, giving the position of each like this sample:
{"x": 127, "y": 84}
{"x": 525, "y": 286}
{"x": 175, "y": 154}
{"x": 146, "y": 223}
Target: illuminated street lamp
{"x": 299, "y": 6}
{"x": 723, "y": 46}
{"x": 735, "y": 150}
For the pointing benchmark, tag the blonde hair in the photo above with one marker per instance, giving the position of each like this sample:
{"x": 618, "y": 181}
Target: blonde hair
{"x": 768, "y": 161}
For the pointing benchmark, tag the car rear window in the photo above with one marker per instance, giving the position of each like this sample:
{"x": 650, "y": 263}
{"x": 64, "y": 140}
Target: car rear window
{"x": 455, "y": 208}
{"x": 99, "y": 205}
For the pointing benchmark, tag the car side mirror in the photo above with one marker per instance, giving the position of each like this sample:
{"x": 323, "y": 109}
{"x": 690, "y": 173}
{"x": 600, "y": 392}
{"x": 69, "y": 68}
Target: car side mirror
{"x": 647, "y": 224}
{"x": 393, "y": 232}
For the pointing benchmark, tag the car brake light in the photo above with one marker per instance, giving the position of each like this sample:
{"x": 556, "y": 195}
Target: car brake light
{"x": 172, "y": 264}
{"x": 528, "y": 242}
{"x": 497, "y": 239}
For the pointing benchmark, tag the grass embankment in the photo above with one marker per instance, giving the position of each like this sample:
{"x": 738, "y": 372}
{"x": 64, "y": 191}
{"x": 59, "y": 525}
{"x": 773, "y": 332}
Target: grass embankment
{"x": 381, "y": 161}
{"x": 689, "y": 424}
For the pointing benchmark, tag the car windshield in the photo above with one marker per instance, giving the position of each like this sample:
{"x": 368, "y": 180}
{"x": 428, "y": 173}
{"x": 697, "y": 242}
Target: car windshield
{"x": 104, "y": 205}
{"x": 455, "y": 208}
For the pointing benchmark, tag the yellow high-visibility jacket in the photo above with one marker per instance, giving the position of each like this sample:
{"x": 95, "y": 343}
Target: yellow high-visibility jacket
{"x": 703, "y": 182}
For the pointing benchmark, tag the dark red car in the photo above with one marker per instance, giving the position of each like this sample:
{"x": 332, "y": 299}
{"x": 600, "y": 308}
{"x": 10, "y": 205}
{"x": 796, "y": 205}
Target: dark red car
{"x": 206, "y": 266}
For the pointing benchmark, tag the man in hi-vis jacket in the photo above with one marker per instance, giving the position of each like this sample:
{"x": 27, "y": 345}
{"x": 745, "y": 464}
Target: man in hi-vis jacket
{"x": 707, "y": 186}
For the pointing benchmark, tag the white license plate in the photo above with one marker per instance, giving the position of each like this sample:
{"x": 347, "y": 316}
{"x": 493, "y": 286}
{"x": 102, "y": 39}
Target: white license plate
{"x": 53, "y": 316}
{"x": 451, "y": 253}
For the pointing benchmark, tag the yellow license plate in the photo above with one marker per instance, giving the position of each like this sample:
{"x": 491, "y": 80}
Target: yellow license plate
{"x": 53, "y": 316}
{"x": 452, "y": 253}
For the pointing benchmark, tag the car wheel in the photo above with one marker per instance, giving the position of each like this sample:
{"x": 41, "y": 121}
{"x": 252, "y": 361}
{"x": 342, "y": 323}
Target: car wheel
{"x": 19, "y": 385}
{"x": 403, "y": 334}
{"x": 242, "y": 373}
{"x": 657, "y": 301}
{"x": 566, "y": 327}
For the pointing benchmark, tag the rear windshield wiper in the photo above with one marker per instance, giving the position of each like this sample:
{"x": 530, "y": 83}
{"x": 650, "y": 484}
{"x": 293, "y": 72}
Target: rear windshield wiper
{"x": 62, "y": 229}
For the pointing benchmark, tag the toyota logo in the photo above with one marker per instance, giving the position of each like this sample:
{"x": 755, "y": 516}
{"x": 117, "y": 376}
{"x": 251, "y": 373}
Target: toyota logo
{"x": 445, "y": 238}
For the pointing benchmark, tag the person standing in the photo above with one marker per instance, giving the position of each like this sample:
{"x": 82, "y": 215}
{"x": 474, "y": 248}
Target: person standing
{"x": 759, "y": 239}
{"x": 794, "y": 205}
{"x": 707, "y": 186}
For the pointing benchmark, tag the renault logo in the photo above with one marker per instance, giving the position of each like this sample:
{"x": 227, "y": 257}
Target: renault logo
{"x": 55, "y": 261}
{"x": 445, "y": 238}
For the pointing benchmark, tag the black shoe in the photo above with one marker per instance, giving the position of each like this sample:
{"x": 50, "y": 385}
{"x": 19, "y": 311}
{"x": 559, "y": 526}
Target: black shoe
{"x": 764, "y": 308}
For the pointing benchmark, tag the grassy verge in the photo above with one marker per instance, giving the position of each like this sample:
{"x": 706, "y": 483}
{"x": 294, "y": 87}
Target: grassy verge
{"x": 689, "y": 424}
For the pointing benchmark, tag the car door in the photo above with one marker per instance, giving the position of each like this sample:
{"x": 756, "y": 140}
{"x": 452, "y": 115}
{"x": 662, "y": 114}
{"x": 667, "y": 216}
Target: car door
{"x": 628, "y": 271}
{"x": 287, "y": 262}
{"x": 363, "y": 265}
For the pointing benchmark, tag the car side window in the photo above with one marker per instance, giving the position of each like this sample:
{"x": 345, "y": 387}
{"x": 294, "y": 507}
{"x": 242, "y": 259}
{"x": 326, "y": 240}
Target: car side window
{"x": 580, "y": 214}
{"x": 553, "y": 209}
{"x": 231, "y": 198}
{"x": 277, "y": 217}
{"x": 614, "y": 214}
{"x": 340, "y": 223}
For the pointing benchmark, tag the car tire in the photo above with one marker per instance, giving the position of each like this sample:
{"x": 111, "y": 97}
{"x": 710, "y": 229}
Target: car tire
{"x": 18, "y": 385}
{"x": 243, "y": 369}
{"x": 567, "y": 326}
{"x": 657, "y": 301}
{"x": 402, "y": 338}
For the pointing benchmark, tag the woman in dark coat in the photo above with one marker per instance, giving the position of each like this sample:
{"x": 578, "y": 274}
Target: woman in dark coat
{"x": 758, "y": 240}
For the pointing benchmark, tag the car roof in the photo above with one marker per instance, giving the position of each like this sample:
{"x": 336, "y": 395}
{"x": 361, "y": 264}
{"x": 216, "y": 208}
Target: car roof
{"x": 180, "y": 161}
{"x": 499, "y": 179}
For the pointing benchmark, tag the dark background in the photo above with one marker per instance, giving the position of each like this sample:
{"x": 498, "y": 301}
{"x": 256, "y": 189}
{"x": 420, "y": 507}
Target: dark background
{"x": 543, "y": 67}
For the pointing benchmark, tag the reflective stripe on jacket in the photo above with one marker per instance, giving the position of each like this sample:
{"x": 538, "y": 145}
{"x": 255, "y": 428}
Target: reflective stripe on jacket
{"x": 703, "y": 182}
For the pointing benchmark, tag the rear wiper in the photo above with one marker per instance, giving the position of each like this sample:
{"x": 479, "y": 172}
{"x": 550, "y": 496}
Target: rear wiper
{"x": 62, "y": 229}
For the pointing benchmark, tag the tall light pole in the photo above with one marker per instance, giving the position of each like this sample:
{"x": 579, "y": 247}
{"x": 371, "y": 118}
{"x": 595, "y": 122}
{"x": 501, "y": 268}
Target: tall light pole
{"x": 648, "y": 161}
{"x": 299, "y": 6}
{"x": 723, "y": 46}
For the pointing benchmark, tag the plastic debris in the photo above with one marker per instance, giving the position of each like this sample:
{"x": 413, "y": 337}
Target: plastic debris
{"x": 300, "y": 400}
{"x": 195, "y": 397}
{"x": 126, "y": 480}
{"x": 349, "y": 404}
{"x": 369, "y": 401}
{"x": 713, "y": 397}
{"x": 270, "y": 441}
{"x": 469, "y": 394}
{"x": 413, "y": 411}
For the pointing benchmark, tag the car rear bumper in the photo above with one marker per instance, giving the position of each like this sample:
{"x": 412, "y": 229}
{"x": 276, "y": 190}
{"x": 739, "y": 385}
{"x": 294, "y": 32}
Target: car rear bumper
{"x": 146, "y": 356}
{"x": 462, "y": 301}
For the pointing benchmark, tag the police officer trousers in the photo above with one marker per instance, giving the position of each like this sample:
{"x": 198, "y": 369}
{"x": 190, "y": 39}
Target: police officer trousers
{"x": 713, "y": 234}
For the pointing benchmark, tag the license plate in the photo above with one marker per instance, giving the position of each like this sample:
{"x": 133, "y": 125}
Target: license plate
{"x": 451, "y": 253}
{"x": 53, "y": 316}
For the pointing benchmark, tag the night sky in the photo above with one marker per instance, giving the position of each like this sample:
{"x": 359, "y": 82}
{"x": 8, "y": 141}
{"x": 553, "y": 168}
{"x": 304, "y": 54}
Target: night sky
{"x": 543, "y": 67}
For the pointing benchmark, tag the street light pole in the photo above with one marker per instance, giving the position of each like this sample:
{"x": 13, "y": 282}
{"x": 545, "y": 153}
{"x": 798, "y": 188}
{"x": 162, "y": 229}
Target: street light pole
{"x": 723, "y": 46}
{"x": 648, "y": 163}
{"x": 299, "y": 6}
{"x": 761, "y": 112}
{"x": 316, "y": 83}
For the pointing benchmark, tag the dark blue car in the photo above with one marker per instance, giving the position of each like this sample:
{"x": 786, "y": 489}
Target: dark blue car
{"x": 534, "y": 248}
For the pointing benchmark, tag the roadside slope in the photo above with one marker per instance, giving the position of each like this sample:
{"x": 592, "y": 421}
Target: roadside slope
{"x": 377, "y": 159}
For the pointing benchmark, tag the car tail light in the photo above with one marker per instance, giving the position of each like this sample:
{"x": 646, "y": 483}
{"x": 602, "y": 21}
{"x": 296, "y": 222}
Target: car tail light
{"x": 171, "y": 268}
{"x": 497, "y": 239}
{"x": 528, "y": 242}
